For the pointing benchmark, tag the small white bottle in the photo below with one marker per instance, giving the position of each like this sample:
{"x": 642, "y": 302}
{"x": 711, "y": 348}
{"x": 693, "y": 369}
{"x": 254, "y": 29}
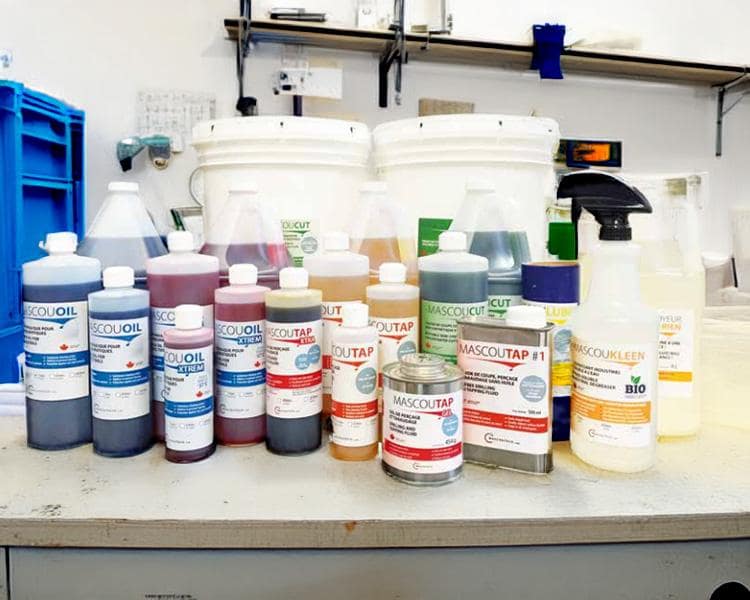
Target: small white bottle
{"x": 354, "y": 405}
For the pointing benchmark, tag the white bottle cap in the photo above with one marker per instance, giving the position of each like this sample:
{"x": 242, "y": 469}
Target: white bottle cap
{"x": 530, "y": 317}
{"x": 188, "y": 316}
{"x": 476, "y": 184}
{"x": 335, "y": 240}
{"x": 293, "y": 278}
{"x": 122, "y": 186}
{"x": 354, "y": 314}
{"x": 374, "y": 187}
{"x": 452, "y": 241}
{"x": 243, "y": 274}
{"x": 392, "y": 272}
{"x": 180, "y": 241}
{"x": 61, "y": 242}
{"x": 118, "y": 277}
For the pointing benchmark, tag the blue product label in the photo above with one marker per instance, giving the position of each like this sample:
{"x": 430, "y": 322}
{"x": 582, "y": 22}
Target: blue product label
{"x": 56, "y": 343}
{"x": 240, "y": 369}
{"x": 188, "y": 391}
{"x": 119, "y": 368}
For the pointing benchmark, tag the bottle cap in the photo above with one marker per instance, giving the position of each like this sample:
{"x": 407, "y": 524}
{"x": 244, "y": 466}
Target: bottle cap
{"x": 61, "y": 242}
{"x": 555, "y": 282}
{"x": 293, "y": 278}
{"x": 530, "y": 317}
{"x": 354, "y": 314}
{"x": 243, "y": 274}
{"x": 336, "y": 240}
{"x": 118, "y": 277}
{"x": 123, "y": 186}
{"x": 477, "y": 184}
{"x": 180, "y": 241}
{"x": 374, "y": 187}
{"x": 392, "y": 272}
{"x": 188, "y": 316}
{"x": 248, "y": 187}
{"x": 452, "y": 241}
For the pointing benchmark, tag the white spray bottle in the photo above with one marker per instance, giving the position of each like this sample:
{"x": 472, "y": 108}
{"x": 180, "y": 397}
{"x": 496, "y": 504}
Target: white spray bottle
{"x": 615, "y": 335}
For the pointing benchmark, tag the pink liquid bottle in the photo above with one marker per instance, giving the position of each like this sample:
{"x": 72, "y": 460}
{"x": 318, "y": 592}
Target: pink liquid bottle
{"x": 189, "y": 386}
{"x": 240, "y": 311}
{"x": 246, "y": 230}
{"x": 180, "y": 277}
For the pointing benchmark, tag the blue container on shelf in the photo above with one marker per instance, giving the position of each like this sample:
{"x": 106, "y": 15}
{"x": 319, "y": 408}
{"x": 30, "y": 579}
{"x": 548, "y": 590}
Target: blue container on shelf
{"x": 41, "y": 190}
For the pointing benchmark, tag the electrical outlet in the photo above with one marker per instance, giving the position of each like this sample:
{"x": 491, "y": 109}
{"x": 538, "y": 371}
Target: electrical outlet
{"x": 321, "y": 82}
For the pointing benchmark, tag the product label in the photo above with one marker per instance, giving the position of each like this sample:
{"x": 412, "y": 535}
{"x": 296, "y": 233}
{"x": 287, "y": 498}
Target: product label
{"x": 562, "y": 363}
{"x": 331, "y": 320}
{"x": 422, "y": 433}
{"x": 397, "y": 337}
{"x": 439, "y": 327}
{"x": 676, "y": 350}
{"x": 56, "y": 342}
{"x": 119, "y": 368}
{"x": 354, "y": 396}
{"x": 613, "y": 393}
{"x": 240, "y": 369}
{"x": 189, "y": 402}
{"x": 498, "y": 305}
{"x": 294, "y": 377}
{"x": 429, "y": 231}
{"x": 162, "y": 319}
{"x": 506, "y": 396}
{"x": 300, "y": 238}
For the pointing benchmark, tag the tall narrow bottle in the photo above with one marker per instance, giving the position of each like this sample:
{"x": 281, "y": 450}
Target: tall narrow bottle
{"x": 453, "y": 286}
{"x": 120, "y": 373}
{"x": 180, "y": 277}
{"x": 56, "y": 341}
{"x": 240, "y": 358}
{"x": 294, "y": 333}
{"x": 354, "y": 415}
{"x": 342, "y": 276}
{"x": 614, "y": 335}
{"x": 189, "y": 386}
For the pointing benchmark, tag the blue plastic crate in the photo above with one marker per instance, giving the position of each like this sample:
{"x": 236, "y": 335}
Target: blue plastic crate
{"x": 42, "y": 185}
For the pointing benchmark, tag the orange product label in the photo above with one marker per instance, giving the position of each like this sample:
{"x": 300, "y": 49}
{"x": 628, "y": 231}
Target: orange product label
{"x": 620, "y": 413}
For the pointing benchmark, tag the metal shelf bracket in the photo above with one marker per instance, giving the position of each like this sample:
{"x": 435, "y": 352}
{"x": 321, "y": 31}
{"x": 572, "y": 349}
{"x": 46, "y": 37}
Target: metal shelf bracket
{"x": 739, "y": 86}
{"x": 396, "y": 53}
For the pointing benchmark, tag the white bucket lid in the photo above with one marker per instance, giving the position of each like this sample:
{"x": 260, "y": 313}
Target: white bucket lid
{"x": 281, "y": 140}
{"x": 465, "y": 138}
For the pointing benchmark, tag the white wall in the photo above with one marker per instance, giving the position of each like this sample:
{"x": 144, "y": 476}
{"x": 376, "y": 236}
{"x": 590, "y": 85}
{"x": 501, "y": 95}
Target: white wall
{"x": 98, "y": 54}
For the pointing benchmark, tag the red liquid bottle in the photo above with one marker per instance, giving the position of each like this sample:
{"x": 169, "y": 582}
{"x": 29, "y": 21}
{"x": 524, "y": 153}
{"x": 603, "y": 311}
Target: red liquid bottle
{"x": 240, "y": 311}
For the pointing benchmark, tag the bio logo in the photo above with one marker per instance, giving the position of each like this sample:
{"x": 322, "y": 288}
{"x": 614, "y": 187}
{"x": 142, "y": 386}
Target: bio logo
{"x": 635, "y": 386}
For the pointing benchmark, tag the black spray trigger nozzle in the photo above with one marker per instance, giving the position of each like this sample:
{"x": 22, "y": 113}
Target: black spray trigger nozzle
{"x": 607, "y": 197}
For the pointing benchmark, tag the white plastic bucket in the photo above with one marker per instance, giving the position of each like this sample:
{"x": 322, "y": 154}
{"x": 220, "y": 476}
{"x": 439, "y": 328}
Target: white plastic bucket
{"x": 426, "y": 163}
{"x": 309, "y": 169}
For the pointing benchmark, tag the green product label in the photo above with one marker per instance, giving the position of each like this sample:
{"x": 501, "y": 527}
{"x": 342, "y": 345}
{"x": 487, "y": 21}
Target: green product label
{"x": 300, "y": 238}
{"x": 498, "y": 305}
{"x": 428, "y": 232}
{"x": 439, "y": 325}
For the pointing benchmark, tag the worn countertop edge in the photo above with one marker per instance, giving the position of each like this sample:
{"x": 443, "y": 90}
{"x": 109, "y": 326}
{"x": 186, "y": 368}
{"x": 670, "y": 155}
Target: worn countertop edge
{"x": 384, "y": 533}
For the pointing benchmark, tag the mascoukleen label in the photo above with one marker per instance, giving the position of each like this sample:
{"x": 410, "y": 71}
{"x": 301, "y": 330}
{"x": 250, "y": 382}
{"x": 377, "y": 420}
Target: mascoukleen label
{"x": 119, "y": 368}
{"x": 676, "y": 352}
{"x": 332, "y": 319}
{"x": 300, "y": 238}
{"x": 562, "y": 363}
{"x": 293, "y": 364}
{"x": 161, "y": 320}
{"x": 189, "y": 401}
{"x": 240, "y": 369}
{"x": 56, "y": 342}
{"x": 354, "y": 395}
{"x": 498, "y": 305}
{"x": 506, "y": 396}
{"x": 613, "y": 391}
{"x": 397, "y": 337}
{"x": 439, "y": 326}
{"x": 422, "y": 433}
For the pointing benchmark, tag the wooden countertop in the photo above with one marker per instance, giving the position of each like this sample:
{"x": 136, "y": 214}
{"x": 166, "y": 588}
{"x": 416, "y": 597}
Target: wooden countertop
{"x": 248, "y": 498}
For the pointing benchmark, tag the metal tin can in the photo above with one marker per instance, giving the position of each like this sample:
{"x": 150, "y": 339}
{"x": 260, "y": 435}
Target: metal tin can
{"x": 507, "y": 392}
{"x": 422, "y": 420}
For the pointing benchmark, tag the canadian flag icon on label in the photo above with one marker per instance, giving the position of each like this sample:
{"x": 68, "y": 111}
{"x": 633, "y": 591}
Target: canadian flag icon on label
{"x": 130, "y": 364}
{"x": 199, "y": 394}
{"x": 64, "y": 347}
